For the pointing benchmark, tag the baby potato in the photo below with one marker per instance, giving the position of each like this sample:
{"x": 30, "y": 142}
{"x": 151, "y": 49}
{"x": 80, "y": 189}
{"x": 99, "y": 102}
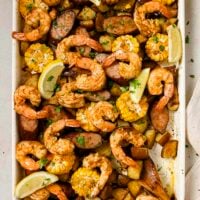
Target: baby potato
{"x": 86, "y": 14}
{"x": 170, "y": 149}
{"x": 103, "y": 7}
{"x": 128, "y": 197}
{"x": 139, "y": 153}
{"x": 122, "y": 180}
{"x": 141, "y": 124}
{"x": 162, "y": 139}
{"x": 89, "y": 24}
{"x": 119, "y": 193}
{"x": 134, "y": 187}
{"x": 134, "y": 172}
{"x": 124, "y": 5}
{"x": 150, "y": 135}
{"x": 115, "y": 90}
{"x": 106, "y": 192}
{"x": 104, "y": 150}
{"x": 106, "y": 42}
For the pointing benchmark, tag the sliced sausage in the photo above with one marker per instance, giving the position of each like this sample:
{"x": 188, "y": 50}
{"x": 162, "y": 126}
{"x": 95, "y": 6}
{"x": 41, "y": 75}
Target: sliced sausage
{"x": 28, "y": 128}
{"x": 103, "y": 95}
{"x": 62, "y": 25}
{"x": 113, "y": 73}
{"x": 99, "y": 22}
{"x": 85, "y": 140}
{"x": 119, "y": 25}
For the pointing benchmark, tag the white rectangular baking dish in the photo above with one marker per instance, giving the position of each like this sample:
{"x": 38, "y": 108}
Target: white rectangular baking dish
{"x": 177, "y": 124}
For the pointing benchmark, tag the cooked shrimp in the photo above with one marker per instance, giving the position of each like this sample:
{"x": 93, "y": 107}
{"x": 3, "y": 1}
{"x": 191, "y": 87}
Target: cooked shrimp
{"x": 93, "y": 161}
{"x": 25, "y": 148}
{"x": 24, "y": 93}
{"x": 57, "y": 190}
{"x": 84, "y": 117}
{"x": 84, "y": 180}
{"x": 35, "y": 17}
{"x": 101, "y": 112}
{"x": 42, "y": 194}
{"x": 149, "y": 27}
{"x": 93, "y": 82}
{"x": 129, "y": 110}
{"x": 157, "y": 47}
{"x": 155, "y": 85}
{"x": 69, "y": 99}
{"x": 127, "y": 71}
{"x": 57, "y": 145}
{"x": 130, "y": 135}
{"x": 63, "y": 48}
{"x": 146, "y": 197}
{"x": 45, "y": 193}
{"x": 166, "y": 2}
{"x": 55, "y": 113}
{"x": 159, "y": 118}
{"x": 26, "y": 6}
{"x": 60, "y": 164}
{"x": 52, "y": 2}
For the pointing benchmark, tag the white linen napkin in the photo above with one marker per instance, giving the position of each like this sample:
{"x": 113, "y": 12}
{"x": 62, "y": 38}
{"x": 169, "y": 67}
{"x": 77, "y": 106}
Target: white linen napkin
{"x": 192, "y": 191}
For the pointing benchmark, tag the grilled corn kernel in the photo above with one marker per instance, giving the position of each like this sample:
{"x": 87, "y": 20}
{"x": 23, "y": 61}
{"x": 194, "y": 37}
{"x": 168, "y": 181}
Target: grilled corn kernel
{"x": 130, "y": 111}
{"x": 84, "y": 180}
{"x": 37, "y": 56}
{"x": 126, "y": 43}
{"x": 157, "y": 47}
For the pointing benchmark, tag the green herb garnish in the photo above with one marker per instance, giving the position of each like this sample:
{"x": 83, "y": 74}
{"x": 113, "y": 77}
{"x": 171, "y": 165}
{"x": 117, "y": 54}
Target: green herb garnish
{"x": 155, "y": 39}
{"x": 124, "y": 89}
{"x": 49, "y": 122}
{"x": 57, "y": 88}
{"x": 80, "y": 140}
{"x": 29, "y": 6}
{"x": 43, "y": 162}
{"x": 81, "y": 50}
{"x": 92, "y": 54}
{"x": 162, "y": 48}
{"x": 58, "y": 109}
{"x": 50, "y": 78}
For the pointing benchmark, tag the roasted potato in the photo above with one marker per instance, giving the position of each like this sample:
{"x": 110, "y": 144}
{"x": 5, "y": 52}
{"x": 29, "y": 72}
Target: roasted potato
{"x": 115, "y": 90}
{"x": 150, "y": 137}
{"x": 134, "y": 187}
{"x": 87, "y": 24}
{"x": 134, "y": 173}
{"x": 86, "y": 14}
{"x": 99, "y": 22}
{"x": 104, "y": 150}
{"x": 141, "y": 124}
{"x": 106, "y": 42}
{"x": 128, "y": 197}
{"x": 162, "y": 139}
{"x": 119, "y": 193}
{"x": 103, "y": 7}
{"x": 106, "y": 192}
{"x": 122, "y": 180}
{"x": 124, "y": 5}
{"x": 169, "y": 150}
{"x": 139, "y": 153}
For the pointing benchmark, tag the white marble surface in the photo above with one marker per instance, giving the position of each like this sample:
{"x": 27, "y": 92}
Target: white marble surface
{"x": 193, "y": 68}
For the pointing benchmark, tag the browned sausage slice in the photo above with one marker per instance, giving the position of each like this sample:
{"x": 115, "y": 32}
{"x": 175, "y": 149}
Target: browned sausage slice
{"x": 28, "y": 128}
{"x": 103, "y": 95}
{"x": 85, "y": 140}
{"x": 113, "y": 73}
{"x": 62, "y": 25}
{"x": 119, "y": 25}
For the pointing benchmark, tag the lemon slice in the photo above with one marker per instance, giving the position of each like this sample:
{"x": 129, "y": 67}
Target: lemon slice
{"x": 174, "y": 43}
{"x": 49, "y": 77}
{"x": 138, "y": 85}
{"x": 34, "y": 182}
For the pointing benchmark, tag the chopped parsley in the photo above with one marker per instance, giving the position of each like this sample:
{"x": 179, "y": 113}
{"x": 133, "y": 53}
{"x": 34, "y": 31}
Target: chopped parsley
{"x": 110, "y": 83}
{"x": 187, "y": 39}
{"x": 80, "y": 140}
{"x": 174, "y": 25}
{"x": 159, "y": 168}
{"x": 29, "y": 6}
{"x": 105, "y": 42}
{"x": 79, "y": 91}
{"x": 134, "y": 84}
{"x": 192, "y": 76}
{"x": 46, "y": 181}
{"x": 81, "y": 50}
{"x": 50, "y": 78}
{"x": 57, "y": 88}
{"x": 54, "y": 23}
{"x": 92, "y": 54}
{"x": 58, "y": 109}
{"x": 155, "y": 39}
{"x": 43, "y": 162}
{"x": 162, "y": 48}
{"x": 49, "y": 122}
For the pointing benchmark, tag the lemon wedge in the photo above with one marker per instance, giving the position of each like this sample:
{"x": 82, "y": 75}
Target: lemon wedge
{"x": 34, "y": 182}
{"x": 49, "y": 77}
{"x": 174, "y": 43}
{"x": 138, "y": 85}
